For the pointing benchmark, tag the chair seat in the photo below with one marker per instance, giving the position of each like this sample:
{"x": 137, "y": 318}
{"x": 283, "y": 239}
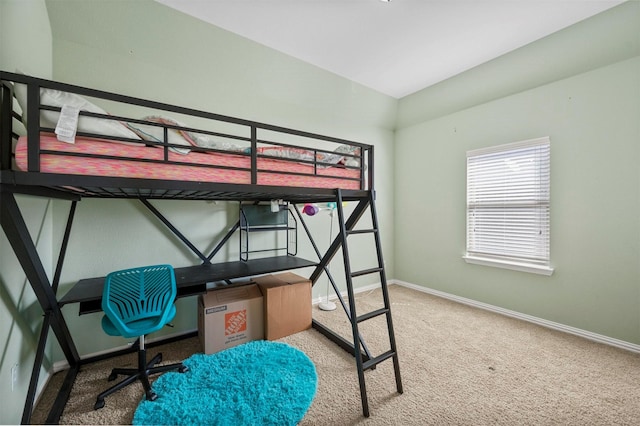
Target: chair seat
{"x": 142, "y": 326}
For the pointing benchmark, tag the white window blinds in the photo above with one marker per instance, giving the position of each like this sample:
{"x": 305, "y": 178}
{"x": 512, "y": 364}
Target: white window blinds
{"x": 508, "y": 194}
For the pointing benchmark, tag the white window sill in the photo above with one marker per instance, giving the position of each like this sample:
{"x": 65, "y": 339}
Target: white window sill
{"x": 515, "y": 266}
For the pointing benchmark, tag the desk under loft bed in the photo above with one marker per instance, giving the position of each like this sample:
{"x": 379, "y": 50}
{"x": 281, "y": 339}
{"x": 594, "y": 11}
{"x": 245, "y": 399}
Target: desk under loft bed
{"x": 197, "y": 156}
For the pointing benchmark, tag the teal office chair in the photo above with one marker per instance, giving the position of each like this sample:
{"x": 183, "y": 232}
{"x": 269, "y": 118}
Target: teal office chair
{"x": 137, "y": 302}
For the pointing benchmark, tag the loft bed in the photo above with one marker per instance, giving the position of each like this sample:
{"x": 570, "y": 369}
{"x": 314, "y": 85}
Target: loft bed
{"x": 159, "y": 157}
{"x": 56, "y": 142}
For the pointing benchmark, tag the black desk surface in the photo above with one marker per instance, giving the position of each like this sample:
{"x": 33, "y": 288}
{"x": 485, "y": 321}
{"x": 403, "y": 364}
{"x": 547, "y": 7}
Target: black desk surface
{"x": 190, "y": 280}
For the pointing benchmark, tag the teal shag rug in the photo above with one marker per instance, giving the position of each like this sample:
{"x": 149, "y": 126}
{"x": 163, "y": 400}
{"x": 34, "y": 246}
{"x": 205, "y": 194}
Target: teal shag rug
{"x": 256, "y": 383}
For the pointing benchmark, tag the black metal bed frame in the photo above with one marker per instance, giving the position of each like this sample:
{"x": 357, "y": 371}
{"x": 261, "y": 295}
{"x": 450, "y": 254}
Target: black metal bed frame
{"x": 192, "y": 280}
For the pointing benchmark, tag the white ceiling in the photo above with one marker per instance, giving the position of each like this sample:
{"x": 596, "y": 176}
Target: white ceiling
{"x": 396, "y": 47}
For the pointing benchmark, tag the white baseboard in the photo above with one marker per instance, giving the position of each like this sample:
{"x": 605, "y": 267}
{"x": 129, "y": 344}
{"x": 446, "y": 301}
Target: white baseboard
{"x": 599, "y": 338}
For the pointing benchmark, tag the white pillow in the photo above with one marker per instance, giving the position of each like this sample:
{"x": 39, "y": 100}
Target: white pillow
{"x": 57, "y": 98}
{"x": 352, "y": 150}
{"x": 180, "y": 137}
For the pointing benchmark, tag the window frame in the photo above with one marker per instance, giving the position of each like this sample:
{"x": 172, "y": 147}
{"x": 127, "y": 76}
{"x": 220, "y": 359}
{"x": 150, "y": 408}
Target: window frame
{"x": 538, "y": 200}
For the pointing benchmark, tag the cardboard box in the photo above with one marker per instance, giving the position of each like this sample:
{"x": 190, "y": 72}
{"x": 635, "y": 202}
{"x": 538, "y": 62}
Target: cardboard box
{"x": 230, "y": 316}
{"x": 287, "y": 304}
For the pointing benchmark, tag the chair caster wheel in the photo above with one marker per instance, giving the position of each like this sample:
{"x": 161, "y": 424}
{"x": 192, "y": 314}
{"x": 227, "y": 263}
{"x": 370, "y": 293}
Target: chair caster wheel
{"x": 152, "y": 396}
{"x": 112, "y": 377}
{"x": 183, "y": 369}
{"x": 99, "y": 404}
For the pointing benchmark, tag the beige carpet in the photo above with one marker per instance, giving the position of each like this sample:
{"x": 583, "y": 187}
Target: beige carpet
{"x": 460, "y": 366}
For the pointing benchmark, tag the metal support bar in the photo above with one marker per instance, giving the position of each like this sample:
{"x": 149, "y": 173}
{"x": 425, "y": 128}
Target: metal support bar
{"x": 33, "y": 131}
{"x": 223, "y": 241}
{"x": 46, "y": 324}
{"x": 175, "y": 231}
{"x": 6, "y": 109}
{"x": 254, "y": 155}
{"x": 372, "y": 314}
{"x": 337, "y": 339}
{"x": 63, "y": 395}
{"x": 365, "y": 272}
{"x": 352, "y": 301}
{"x": 35, "y": 371}
{"x": 39, "y": 191}
{"x": 377, "y": 360}
{"x": 362, "y": 231}
{"x": 25, "y": 250}
{"x": 63, "y": 247}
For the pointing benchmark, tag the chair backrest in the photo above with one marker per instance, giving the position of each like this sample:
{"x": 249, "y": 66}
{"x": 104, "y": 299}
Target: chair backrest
{"x": 139, "y": 300}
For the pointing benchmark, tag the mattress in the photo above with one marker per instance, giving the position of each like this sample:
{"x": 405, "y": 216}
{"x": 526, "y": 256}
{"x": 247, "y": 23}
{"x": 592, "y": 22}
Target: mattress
{"x": 97, "y": 157}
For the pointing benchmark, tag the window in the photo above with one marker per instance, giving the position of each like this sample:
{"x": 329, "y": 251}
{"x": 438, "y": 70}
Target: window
{"x": 508, "y": 192}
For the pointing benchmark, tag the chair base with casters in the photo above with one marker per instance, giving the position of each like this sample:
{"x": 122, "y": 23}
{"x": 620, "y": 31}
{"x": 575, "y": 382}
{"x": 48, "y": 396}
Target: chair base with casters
{"x": 137, "y": 302}
{"x": 142, "y": 373}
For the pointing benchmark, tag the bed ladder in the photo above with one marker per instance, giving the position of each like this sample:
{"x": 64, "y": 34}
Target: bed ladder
{"x": 364, "y": 359}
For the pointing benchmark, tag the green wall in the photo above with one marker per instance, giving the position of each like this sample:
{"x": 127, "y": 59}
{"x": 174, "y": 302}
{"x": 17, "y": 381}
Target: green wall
{"x": 26, "y": 37}
{"x": 27, "y": 47}
{"x": 593, "y": 120}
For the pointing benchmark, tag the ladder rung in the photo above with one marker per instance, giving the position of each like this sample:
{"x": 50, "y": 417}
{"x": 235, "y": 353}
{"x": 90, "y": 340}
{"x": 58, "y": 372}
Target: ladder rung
{"x": 365, "y": 272}
{"x": 372, "y": 314}
{"x": 362, "y": 231}
{"x": 377, "y": 360}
